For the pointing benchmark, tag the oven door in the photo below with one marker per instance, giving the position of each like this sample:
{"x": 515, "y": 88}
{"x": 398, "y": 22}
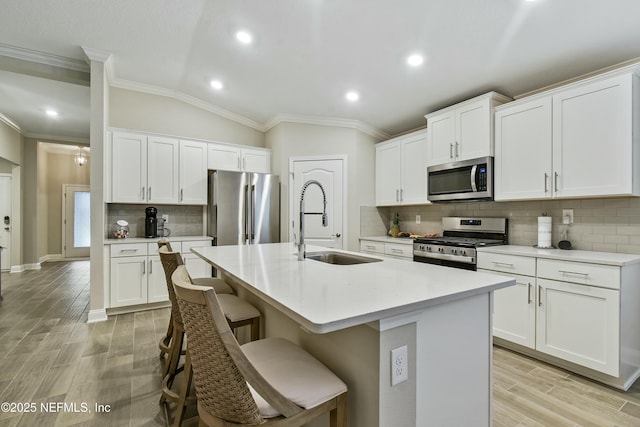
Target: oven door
{"x": 461, "y": 181}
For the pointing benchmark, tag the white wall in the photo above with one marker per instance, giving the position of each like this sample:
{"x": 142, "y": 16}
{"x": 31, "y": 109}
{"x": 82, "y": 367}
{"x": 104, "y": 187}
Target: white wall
{"x": 160, "y": 114}
{"x": 295, "y": 139}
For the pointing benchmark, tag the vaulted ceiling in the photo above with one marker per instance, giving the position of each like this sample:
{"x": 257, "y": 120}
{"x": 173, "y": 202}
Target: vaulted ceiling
{"x": 305, "y": 54}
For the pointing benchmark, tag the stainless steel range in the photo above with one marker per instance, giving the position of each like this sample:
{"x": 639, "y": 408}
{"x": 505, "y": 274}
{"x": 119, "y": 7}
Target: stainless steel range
{"x": 460, "y": 238}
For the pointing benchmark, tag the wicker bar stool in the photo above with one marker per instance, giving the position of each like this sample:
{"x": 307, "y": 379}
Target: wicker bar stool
{"x": 237, "y": 313}
{"x": 220, "y": 286}
{"x": 269, "y": 382}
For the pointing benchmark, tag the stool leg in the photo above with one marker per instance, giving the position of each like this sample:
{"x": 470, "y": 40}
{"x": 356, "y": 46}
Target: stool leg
{"x": 174, "y": 354}
{"x": 182, "y": 401}
{"x": 165, "y": 342}
{"x": 255, "y": 329}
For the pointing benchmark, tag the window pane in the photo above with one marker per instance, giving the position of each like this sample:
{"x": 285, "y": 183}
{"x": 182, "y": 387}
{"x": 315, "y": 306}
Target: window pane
{"x": 82, "y": 222}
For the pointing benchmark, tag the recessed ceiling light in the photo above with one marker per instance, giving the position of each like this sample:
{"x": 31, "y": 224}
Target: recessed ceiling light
{"x": 217, "y": 84}
{"x": 352, "y": 96}
{"x": 415, "y": 60}
{"x": 52, "y": 113}
{"x": 244, "y": 37}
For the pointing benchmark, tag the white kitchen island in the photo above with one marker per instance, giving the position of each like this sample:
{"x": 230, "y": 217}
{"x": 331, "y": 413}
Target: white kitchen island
{"x": 352, "y": 316}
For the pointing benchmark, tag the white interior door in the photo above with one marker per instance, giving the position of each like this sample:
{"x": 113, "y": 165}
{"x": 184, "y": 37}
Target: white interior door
{"x": 5, "y": 225}
{"x": 330, "y": 173}
{"x": 76, "y": 221}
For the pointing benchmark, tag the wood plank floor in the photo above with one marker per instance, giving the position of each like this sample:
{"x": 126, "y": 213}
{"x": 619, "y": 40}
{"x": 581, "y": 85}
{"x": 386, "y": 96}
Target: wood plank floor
{"x": 49, "y": 354}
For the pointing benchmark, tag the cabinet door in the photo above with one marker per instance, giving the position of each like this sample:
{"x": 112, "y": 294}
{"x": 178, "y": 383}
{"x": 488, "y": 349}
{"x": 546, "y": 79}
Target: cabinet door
{"x": 473, "y": 131}
{"x": 592, "y": 136}
{"x": 196, "y": 266}
{"x": 579, "y": 324}
{"x": 414, "y": 169}
{"x": 441, "y": 133}
{"x": 193, "y": 173}
{"x": 128, "y": 281}
{"x": 522, "y": 168}
{"x": 223, "y": 157}
{"x": 256, "y": 161}
{"x": 514, "y": 311}
{"x": 162, "y": 173}
{"x": 388, "y": 162}
{"x": 128, "y": 168}
{"x": 156, "y": 280}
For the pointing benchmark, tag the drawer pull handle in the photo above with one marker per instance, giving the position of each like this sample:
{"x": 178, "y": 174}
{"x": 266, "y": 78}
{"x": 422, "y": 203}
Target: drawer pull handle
{"x": 143, "y": 268}
{"x": 573, "y": 272}
{"x": 398, "y": 251}
{"x": 528, "y": 293}
{"x": 502, "y": 264}
{"x": 370, "y": 247}
{"x": 128, "y": 250}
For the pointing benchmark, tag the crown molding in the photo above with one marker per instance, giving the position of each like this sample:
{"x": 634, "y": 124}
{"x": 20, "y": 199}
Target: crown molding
{"x": 10, "y": 123}
{"x": 160, "y": 91}
{"x": 66, "y": 149}
{"x": 43, "y": 58}
{"x": 96, "y": 54}
{"x": 326, "y": 121}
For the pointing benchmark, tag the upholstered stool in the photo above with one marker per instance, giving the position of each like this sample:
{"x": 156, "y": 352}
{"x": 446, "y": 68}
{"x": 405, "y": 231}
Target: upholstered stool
{"x": 220, "y": 286}
{"x": 265, "y": 382}
{"x": 239, "y": 313}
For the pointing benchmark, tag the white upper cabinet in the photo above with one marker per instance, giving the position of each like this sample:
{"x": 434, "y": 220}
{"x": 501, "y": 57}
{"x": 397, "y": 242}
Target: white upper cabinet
{"x": 463, "y": 131}
{"x": 592, "y": 138}
{"x": 522, "y": 165}
{"x": 128, "y": 167}
{"x": 234, "y": 158}
{"x": 156, "y": 169}
{"x": 575, "y": 141}
{"x": 401, "y": 170}
{"x": 162, "y": 170}
{"x": 193, "y": 173}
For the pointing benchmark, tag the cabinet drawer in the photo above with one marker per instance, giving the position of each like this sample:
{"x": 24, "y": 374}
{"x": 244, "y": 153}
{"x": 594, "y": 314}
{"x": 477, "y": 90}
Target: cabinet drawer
{"x": 153, "y": 247}
{"x": 128, "y": 249}
{"x": 606, "y": 276}
{"x": 513, "y": 264}
{"x": 186, "y": 246}
{"x": 371, "y": 246}
{"x": 399, "y": 250}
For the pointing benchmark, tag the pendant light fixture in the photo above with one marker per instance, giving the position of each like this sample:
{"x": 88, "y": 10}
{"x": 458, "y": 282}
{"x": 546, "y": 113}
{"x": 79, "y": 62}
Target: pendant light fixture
{"x": 80, "y": 158}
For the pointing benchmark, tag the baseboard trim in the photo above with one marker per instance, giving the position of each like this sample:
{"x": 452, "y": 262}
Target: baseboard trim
{"x": 51, "y": 257}
{"x": 99, "y": 315}
{"x": 34, "y": 266}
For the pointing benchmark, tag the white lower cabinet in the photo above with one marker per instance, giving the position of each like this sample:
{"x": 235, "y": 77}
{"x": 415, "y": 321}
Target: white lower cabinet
{"x": 196, "y": 266}
{"x": 578, "y": 312}
{"x": 396, "y": 250}
{"x": 137, "y": 276}
{"x": 580, "y": 324}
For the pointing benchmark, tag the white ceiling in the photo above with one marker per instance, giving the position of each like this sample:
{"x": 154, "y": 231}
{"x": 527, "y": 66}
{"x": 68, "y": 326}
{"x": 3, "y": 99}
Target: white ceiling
{"x": 307, "y": 53}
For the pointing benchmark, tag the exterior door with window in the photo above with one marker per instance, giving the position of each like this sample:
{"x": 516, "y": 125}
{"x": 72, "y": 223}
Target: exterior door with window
{"x": 76, "y": 221}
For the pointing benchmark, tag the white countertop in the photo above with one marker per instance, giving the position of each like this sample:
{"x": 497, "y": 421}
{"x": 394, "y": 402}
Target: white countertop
{"x": 324, "y": 297}
{"x": 389, "y": 239}
{"x": 155, "y": 239}
{"x": 607, "y": 258}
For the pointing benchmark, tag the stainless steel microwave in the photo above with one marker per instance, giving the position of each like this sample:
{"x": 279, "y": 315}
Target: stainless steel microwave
{"x": 461, "y": 181}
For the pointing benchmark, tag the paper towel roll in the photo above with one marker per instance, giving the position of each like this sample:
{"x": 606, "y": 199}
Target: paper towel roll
{"x": 544, "y": 231}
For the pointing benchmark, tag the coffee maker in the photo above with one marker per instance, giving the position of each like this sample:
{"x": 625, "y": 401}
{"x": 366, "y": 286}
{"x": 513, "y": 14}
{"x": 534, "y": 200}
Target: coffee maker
{"x": 151, "y": 222}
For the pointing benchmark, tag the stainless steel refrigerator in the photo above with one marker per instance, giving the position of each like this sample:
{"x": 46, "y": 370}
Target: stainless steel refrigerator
{"x": 244, "y": 208}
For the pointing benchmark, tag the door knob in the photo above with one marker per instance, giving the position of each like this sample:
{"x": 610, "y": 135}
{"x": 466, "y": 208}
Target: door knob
{"x": 336, "y": 235}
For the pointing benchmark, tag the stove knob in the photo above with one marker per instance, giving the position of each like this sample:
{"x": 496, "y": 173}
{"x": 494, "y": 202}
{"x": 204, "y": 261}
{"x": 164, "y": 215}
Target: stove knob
{"x": 463, "y": 252}
{"x": 454, "y": 251}
{"x": 440, "y": 249}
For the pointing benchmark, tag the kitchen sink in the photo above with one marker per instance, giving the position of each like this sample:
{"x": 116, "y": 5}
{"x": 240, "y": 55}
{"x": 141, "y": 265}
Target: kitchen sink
{"x": 339, "y": 258}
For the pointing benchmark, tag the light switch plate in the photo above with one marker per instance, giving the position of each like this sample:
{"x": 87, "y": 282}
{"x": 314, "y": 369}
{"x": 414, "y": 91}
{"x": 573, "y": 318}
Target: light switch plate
{"x": 567, "y": 216}
{"x": 418, "y": 219}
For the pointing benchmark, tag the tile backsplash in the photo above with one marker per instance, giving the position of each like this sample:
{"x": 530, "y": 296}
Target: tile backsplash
{"x": 184, "y": 220}
{"x": 607, "y": 224}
